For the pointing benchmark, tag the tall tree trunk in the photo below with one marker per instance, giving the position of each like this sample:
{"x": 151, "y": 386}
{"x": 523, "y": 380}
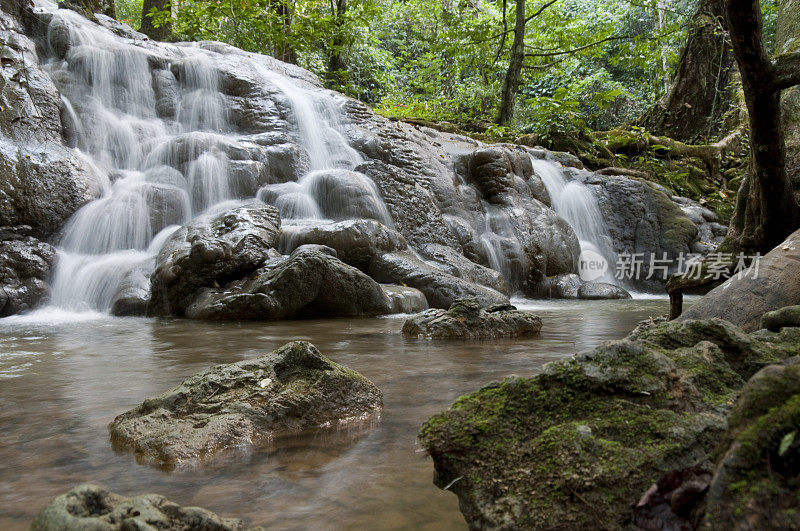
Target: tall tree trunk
{"x": 768, "y": 206}
{"x": 284, "y": 50}
{"x": 162, "y": 32}
{"x": 514, "y": 73}
{"x": 336, "y": 75}
{"x": 694, "y": 108}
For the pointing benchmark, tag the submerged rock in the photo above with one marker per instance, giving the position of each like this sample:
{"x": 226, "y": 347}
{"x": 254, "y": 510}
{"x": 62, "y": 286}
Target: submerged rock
{"x": 596, "y": 430}
{"x": 291, "y": 389}
{"x": 311, "y": 282}
{"x": 25, "y": 265}
{"x": 602, "y": 291}
{"x": 467, "y": 320}
{"x": 770, "y": 284}
{"x": 93, "y": 507}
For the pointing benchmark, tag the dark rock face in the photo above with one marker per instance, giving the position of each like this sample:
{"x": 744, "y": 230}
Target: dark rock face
{"x": 467, "y": 320}
{"x": 212, "y": 250}
{"x": 311, "y": 282}
{"x": 291, "y": 389}
{"x": 562, "y": 286}
{"x": 601, "y": 291}
{"x": 641, "y": 218}
{"x": 357, "y": 242}
{"x": 42, "y": 183}
{"x": 597, "y": 429}
{"x": 25, "y": 265}
{"x": 743, "y": 301}
{"x": 93, "y": 507}
{"x": 441, "y": 289}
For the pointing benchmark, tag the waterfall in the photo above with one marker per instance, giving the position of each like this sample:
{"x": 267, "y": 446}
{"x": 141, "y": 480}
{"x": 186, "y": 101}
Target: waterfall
{"x": 161, "y": 169}
{"x": 574, "y": 202}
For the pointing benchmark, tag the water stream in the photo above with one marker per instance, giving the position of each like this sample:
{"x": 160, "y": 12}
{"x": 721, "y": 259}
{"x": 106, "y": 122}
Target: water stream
{"x": 63, "y": 381}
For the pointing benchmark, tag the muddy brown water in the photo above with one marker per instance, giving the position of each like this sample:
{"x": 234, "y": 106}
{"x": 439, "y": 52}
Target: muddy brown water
{"x": 63, "y": 378}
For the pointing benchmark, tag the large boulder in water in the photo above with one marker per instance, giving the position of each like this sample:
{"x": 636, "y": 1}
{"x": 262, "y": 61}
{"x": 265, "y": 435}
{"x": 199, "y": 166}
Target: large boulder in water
{"x": 93, "y": 507}
{"x": 211, "y": 251}
{"x": 311, "y": 282}
{"x": 598, "y": 429}
{"x": 292, "y": 389}
{"x": 595, "y": 291}
{"x": 465, "y": 319}
{"x": 771, "y": 283}
{"x": 440, "y": 288}
{"x": 25, "y": 265}
{"x": 356, "y": 242}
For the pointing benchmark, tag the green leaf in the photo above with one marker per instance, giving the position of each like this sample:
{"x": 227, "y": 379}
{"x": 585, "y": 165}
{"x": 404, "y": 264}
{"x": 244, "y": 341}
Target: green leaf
{"x": 786, "y": 442}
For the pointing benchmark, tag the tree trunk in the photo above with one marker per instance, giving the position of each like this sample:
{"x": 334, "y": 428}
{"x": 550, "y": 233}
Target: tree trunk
{"x": 162, "y": 32}
{"x": 336, "y": 75}
{"x": 88, "y": 8}
{"x": 514, "y": 73}
{"x": 284, "y": 51}
{"x": 701, "y": 93}
{"x": 768, "y": 208}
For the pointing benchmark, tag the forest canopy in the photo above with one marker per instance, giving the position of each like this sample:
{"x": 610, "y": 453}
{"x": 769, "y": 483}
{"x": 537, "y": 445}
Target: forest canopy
{"x": 587, "y": 64}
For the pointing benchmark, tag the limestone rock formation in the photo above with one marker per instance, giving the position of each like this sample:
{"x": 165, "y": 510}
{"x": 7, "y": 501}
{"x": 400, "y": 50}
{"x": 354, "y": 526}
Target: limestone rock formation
{"x": 465, "y": 319}
{"x": 770, "y": 284}
{"x": 25, "y": 265}
{"x": 291, "y": 389}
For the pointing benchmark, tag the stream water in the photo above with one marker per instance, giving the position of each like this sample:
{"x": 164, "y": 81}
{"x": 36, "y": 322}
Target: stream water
{"x": 65, "y": 376}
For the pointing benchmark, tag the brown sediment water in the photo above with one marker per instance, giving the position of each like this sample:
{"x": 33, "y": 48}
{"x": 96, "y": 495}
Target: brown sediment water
{"x": 64, "y": 377}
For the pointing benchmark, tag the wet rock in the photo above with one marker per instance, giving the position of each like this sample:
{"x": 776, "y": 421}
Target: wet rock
{"x": 25, "y": 265}
{"x": 459, "y": 266}
{"x": 491, "y": 170}
{"x": 743, "y": 299}
{"x": 601, "y": 291}
{"x": 668, "y": 504}
{"x": 563, "y": 286}
{"x": 440, "y": 288}
{"x": 211, "y": 251}
{"x": 357, "y": 242}
{"x": 518, "y": 455}
{"x": 93, "y": 507}
{"x": 405, "y": 299}
{"x": 465, "y": 319}
{"x": 312, "y": 282}
{"x": 785, "y": 317}
{"x": 133, "y": 294}
{"x": 292, "y": 389}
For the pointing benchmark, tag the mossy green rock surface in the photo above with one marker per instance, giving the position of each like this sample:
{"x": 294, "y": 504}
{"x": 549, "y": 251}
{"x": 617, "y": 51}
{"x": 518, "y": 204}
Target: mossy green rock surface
{"x": 291, "y": 389}
{"x": 577, "y": 446}
{"x": 93, "y": 508}
{"x": 785, "y": 317}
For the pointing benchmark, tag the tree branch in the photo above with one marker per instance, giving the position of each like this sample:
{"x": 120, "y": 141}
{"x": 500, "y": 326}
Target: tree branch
{"x": 540, "y": 10}
{"x": 578, "y": 49}
{"x": 786, "y": 71}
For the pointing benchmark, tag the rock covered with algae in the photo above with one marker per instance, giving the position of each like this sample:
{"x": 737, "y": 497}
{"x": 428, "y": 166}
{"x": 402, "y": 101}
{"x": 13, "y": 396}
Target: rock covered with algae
{"x": 292, "y": 389}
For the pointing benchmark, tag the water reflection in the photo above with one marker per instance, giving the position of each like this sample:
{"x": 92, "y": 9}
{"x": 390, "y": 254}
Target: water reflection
{"x": 62, "y": 381}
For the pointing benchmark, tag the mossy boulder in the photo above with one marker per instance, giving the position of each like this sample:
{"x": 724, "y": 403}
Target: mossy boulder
{"x": 578, "y": 445}
{"x": 292, "y": 389}
{"x": 89, "y": 507}
{"x": 756, "y": 484}
{"x": 775, "y": 320}
{"x": 467, "y": 320}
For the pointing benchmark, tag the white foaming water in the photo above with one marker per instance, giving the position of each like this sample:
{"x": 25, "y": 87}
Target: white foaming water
{"x": 156, "y": 169}
{"x": 575, "y": 203}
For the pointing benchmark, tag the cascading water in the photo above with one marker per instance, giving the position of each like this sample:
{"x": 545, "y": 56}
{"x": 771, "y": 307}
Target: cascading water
{"x": 160, "y": 169}
{"x": 575, "y": 203}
